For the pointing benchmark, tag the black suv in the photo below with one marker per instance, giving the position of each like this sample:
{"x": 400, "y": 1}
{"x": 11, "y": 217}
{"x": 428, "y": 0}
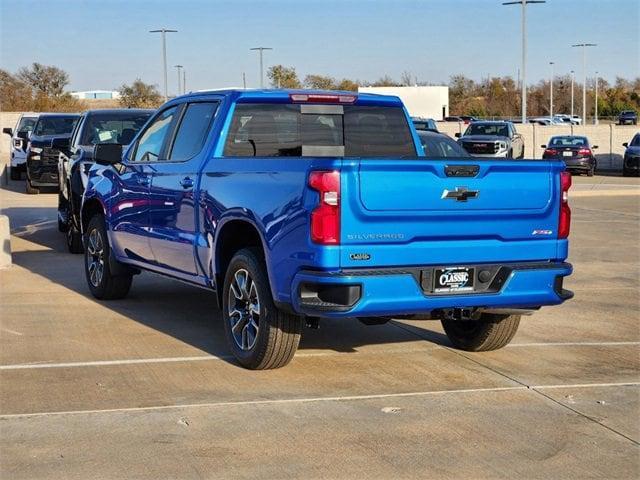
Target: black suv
{"x": 628, "y": 117}
{"x": 118, "y": 126}
{"x": 50, "y": 134}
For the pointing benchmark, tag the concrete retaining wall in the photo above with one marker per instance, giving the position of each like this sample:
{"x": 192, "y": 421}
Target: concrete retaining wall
{"x": 608, "y": 138}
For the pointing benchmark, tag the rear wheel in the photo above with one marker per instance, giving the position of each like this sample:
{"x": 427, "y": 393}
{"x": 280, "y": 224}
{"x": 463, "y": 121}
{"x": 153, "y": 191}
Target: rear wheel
{"x": 103, "y": 284}
{"x": 591, "y": 171}
{"x": 491, "y": 332}
{"x": 260, "y": 336}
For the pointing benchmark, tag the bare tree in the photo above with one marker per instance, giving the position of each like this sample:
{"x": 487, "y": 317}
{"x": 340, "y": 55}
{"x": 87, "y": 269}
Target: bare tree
{"x": 320, "y": 82}
{"x": 140, "y": 95}
{"x": 44, "y": 80}
{"x": 283, "y": 77}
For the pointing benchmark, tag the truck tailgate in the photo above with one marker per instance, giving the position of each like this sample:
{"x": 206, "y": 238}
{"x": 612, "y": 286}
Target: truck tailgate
{"x": 399, "y": 212}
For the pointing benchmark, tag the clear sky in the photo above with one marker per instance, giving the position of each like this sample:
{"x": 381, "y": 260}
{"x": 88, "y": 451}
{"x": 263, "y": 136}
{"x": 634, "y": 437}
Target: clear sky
{"x": 104, "y": 43}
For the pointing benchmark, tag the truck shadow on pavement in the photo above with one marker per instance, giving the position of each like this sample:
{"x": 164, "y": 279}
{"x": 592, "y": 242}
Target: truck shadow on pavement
{"x": 188, "y": 314}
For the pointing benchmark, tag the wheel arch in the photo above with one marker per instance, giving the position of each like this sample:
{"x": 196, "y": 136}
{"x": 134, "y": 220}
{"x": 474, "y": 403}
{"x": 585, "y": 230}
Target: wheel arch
{"x": 89, "y": 208}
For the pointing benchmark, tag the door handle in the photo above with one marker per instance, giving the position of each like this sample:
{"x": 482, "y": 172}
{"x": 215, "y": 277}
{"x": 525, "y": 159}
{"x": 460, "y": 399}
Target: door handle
{"x": 186, "y": 182}
{"x": 143, "y": 180}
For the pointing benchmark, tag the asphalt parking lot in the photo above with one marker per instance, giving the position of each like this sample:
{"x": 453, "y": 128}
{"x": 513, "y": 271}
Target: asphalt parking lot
{"x": 146, "y": 388}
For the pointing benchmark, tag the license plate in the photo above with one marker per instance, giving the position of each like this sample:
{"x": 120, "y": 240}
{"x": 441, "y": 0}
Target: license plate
{"x": 567, "y": 154}
{"x": 454, "y": 279}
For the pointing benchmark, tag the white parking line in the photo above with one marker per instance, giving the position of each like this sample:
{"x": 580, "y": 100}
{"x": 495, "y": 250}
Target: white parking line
{"x": 199, "y": 358}
{"x": 277, "y": 401}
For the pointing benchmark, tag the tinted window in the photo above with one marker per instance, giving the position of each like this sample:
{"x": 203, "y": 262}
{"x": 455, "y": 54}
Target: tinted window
{"x": 636, "y": 141}
{"x": 26, "y": 124}
{"x": 282, "y": 130}
{"x": 192, "y": 131}
{"x": 568, "y": 141}
{"x": 112, "y": 128}
{"x": 441, "y": 146}
{"x": 152, "y": 140}
{"x": 488, "y": 129}
{"x": 54, "y": 125}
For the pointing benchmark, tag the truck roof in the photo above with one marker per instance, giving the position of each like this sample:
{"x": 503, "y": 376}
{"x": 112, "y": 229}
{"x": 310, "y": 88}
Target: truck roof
{"x": 283, "y": 95}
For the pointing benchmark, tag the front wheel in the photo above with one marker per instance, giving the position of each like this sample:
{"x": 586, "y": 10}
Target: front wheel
{"x": 260, "y": 336}
{"x": 491, "y": 332}
{"x": 15, "y": 173}
{"x": 103, "y": 284}
{"x": 30, "y": 189}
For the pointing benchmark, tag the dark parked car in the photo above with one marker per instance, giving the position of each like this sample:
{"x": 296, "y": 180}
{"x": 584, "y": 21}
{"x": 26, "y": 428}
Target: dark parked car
{"x": 631, "y": 163}
{"x": 50, "y": 134}
{"x": 439, "y": 145}
{"x": 575, "y": 151}
{"x": 424, "y": 124}
{"x": 462, "y": 118}
{"x": 93, "y": 127}
{"x": 628, "y": 117}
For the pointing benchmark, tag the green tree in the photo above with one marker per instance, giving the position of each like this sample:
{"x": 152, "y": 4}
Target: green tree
{"x": 346, "y": 84}
{"x": 140, "y": 95}
{"x": 283, "y": 77}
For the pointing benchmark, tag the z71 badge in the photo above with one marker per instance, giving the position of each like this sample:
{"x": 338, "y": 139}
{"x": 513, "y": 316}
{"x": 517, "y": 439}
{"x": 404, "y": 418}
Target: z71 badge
{"x": 360, "y": 256}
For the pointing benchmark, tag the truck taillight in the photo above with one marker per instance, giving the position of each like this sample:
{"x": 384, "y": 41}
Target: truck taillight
{"x": 325, "y": 218}
{"x": 564, "y": 224}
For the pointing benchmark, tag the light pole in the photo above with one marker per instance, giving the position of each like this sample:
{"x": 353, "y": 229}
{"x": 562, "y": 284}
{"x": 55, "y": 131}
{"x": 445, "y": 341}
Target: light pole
{"x": 573, "y": 76}
{"x": 584, "y": 72}
{"x": 164, "y": 32}
{"x": 524, "y": 4}
{"x": 184, "y": 80}
{"x": 178, "y": 67}
{"x": 595, "y": 120}
{"x": 261, "y": 49}
{"x": 551, "y": 92}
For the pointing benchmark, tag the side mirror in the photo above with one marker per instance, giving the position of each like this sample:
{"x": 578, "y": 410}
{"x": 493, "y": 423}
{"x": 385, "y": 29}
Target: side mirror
{"x": 60, "y": 143}
{"x": 625, "y": 144}
{"x": 458, "y": 135}
{"x": 8, "y": 131}
{"x": 594, "y": 147}
{"x": 543, "y": 146}
{"x": 108, "y": 153}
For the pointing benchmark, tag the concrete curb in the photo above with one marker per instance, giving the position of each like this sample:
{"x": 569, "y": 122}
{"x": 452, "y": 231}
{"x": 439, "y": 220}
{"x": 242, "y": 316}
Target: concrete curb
{"x": 5, "y": 238}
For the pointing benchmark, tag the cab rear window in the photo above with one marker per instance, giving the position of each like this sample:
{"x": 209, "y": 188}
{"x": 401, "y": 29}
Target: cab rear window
{"x": 288, "y": 130}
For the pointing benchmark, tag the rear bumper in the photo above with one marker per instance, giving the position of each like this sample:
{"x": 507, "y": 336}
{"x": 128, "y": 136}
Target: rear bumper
{"x": 395, "y": 292}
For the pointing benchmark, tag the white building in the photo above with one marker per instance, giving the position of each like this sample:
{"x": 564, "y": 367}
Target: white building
{"x": 428, "y": 102}
{"x": 96, "y": 94}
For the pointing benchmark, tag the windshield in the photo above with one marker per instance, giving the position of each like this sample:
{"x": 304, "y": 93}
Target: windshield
{"x": 636, "y": 141}
{"x": 26, "y": 124}
{"x": 54, "y": 125}
{"x": 114, "y": 128}
{"x": 488, "y": 129}
{"x": 568, "y": 142}
{"x": 441, "y": 146}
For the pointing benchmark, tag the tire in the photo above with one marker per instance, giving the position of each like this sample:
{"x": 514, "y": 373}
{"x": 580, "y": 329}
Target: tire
{"x": 625, "y": 172}
{"x": 104, "y": 285}
{"x": 15, "y": 174}
{"x": 491, "y": 332}
{"x": 591, "y": 171}
{"x": 510, "y": 154}
{"x": 31, "y": 190}
{"x": 272, "y": 340}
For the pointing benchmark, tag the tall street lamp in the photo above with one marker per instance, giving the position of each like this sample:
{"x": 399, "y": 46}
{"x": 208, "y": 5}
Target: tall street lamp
{"x": 179, "y": 67}
{"x": 595, "y": 121}
{"x": 261, "y": 50}
{"x": 524, "y": 4}
{"x": 584, "y": 72}
{"x": 573, "y": 77}
{"x": 164, "y": 32}
{"x": 551, "y": 92}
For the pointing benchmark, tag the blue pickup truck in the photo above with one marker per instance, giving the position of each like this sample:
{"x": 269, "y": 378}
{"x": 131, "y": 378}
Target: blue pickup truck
{"x": 297, "y": 205}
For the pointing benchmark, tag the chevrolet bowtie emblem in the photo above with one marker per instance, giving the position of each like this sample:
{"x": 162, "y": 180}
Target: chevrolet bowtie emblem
{"x": 460, "y": 194}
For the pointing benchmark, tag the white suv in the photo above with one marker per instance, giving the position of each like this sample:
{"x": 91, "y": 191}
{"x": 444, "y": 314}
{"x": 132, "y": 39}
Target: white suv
{"x": 19, "y": 140}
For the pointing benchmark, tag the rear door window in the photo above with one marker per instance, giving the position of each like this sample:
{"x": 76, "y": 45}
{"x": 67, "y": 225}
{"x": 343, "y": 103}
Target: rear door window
{"x": 285, "y": 130}
{"x": 192, "y": 131}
